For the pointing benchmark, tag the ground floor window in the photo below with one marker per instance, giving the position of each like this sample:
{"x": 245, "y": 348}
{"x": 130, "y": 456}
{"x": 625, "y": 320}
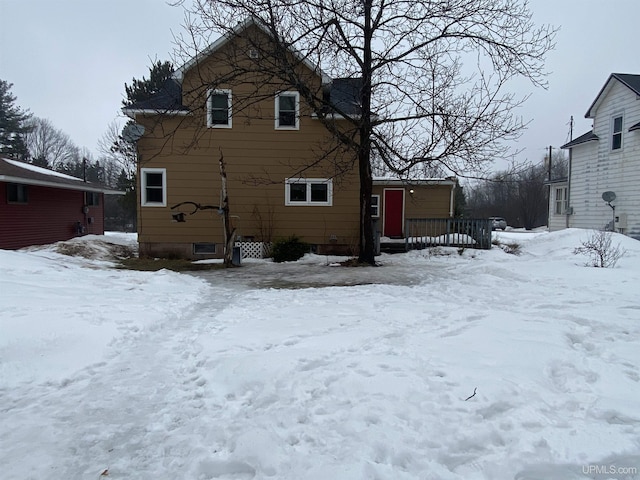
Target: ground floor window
{"x": 308, "y": 191}
{"x": 91, "y": 199}
{"x": 561, "y": 200}
{"x": 375, "y": 206}
{"x": 153, "y": 190}
{"x": 17, "y": 193}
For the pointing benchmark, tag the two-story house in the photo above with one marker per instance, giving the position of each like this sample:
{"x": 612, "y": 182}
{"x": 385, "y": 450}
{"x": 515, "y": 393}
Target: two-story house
{"x": 287, "y": 173}
{"x": 601, "y": 190}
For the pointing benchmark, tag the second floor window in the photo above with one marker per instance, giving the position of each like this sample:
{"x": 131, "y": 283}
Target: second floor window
{"x": 287, "y": 111}
{"x": 219, "y": 109}
{"x": 616, "y": 136}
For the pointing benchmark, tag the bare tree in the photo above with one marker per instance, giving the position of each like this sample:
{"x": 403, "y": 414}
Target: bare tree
{"x": 117, "y": 149}
{"x": 48, "y": 146}
{"x": 600, "y": 250}
{"x": 559, "y": 164}
{"x": 519, "y": 195}
{"x": 431, "y": 78}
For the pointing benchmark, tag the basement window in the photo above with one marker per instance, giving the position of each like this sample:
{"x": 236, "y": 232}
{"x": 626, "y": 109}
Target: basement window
{"x": 204, "y": 248}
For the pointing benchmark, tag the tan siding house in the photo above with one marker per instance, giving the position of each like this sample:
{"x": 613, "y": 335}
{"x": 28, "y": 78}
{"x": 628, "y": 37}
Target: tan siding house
{"x": 286, "y": 174}
{"x": 398, "y": 200}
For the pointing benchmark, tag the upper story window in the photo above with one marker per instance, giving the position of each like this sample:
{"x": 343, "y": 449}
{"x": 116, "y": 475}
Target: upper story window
{"x": 308, "y": 191}
{"x": 375, "y": 206}
{"x": 562, "y": 200}
{"x": 616, "y": 134}
{"x": 153, "y": 183}
{"x": 91, "y": 199}
{"x": 219, "y": 109}
{"x": 288, "y": 111}
{"x": 17, "y": 193}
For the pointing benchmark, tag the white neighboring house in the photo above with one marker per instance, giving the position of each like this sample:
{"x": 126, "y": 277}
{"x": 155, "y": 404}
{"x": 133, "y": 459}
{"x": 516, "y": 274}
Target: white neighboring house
{"x": 606, "y": 159}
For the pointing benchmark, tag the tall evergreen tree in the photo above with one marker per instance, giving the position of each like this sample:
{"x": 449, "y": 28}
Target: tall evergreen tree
{"x": 13, "y": 124}
{"x": 142, "y": 89}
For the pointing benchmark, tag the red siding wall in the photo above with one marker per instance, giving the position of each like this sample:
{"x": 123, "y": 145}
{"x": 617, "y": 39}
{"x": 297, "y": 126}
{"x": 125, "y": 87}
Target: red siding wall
{"x": 49, "y": 216}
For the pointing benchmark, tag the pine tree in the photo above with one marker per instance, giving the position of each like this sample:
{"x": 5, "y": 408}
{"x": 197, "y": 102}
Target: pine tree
{"x": 13, "y": 124}
{"x": 143, "y": 89}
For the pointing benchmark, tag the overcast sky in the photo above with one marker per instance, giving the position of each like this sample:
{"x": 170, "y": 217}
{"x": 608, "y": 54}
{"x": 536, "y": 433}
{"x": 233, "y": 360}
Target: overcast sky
{"x": 68, "y": 60}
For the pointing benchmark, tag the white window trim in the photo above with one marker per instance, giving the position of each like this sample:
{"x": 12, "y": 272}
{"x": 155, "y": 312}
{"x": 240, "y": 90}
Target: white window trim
{"x": 297, "y": 113}
{"x": 613, "y": 132}
{"x": 309, "y": 182}
{"x": 143, "y": 187}
{"x": 561, "y": 201}
{"x": 209, "y": 107}
{"x": 377, "y": 215}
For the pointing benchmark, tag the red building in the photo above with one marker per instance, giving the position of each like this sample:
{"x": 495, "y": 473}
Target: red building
{"x": 40, "y": 206}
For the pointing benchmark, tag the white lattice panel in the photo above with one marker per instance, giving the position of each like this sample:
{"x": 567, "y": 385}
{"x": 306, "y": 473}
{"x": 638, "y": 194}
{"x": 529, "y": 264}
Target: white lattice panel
{"x": 254, "y": 249}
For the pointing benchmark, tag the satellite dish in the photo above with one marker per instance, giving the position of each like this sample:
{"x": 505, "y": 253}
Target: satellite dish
{"x": 608, "y": 196}
{"x": 132, "y": 132}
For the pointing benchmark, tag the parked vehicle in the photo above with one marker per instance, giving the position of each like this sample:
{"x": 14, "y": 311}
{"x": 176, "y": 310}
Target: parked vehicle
{"x": 498, "y": 223}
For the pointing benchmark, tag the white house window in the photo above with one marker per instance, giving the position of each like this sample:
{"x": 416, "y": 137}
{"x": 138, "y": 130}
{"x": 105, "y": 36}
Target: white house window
{"x": 375, "y": 206}
{"x": 219, "y": 109}
{"x": 153, "y": 187}
{"x": 288, "y": 111}
{"x": 308, "y": 191}
{"x": 561, "y": 203}
{"x": 616, "y": 135}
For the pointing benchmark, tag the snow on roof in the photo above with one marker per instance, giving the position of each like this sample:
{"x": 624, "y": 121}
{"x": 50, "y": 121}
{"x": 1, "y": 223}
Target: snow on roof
{"x": 43, "y": 171}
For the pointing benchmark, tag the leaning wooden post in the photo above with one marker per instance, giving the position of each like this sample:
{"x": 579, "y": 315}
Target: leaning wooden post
{"x": 229, "y": 233}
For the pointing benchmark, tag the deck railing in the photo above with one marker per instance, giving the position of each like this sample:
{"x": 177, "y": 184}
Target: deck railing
{"x": 453, "y": 232}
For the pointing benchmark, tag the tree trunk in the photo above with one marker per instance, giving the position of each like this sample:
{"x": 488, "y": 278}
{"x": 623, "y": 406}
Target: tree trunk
{"x": 367, "y": 248}
{"x": 229, "y": 233}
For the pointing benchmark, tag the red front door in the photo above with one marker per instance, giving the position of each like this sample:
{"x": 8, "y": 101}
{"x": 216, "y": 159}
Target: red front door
{"x": 393, "y": 217}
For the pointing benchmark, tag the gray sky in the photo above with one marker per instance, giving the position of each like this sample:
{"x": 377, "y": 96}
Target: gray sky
{"x": 68, "y": 60}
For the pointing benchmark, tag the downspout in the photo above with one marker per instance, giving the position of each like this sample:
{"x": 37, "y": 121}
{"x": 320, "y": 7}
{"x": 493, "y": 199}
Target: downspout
{"x": 452, "y": 196}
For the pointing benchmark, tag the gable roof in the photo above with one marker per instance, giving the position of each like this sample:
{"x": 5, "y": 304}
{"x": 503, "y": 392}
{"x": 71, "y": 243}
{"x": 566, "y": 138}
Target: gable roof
{"x": 13, "y": 171}
{"x": 630, "y": 81}
{"x": 226, "y": 38}
{"x": 343, "y": 92}
{"x": 584, "y": 138}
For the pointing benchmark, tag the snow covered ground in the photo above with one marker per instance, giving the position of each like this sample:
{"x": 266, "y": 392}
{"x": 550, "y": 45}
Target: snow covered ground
{"x": 482, "y": 365}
